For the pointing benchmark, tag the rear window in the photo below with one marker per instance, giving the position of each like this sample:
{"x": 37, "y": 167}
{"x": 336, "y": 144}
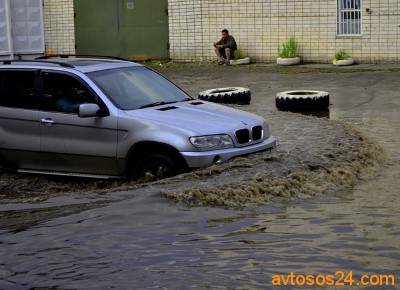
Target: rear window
{"x": 17, "y": 89}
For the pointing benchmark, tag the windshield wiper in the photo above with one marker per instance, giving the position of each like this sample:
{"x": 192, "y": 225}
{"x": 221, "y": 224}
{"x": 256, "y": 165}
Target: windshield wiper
{"x": 156, "y": 104}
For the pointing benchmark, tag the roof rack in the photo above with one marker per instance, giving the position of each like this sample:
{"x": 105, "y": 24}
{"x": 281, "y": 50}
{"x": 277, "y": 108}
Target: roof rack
{"x": 80, "y": 55}
{"x": 39, "y": 61}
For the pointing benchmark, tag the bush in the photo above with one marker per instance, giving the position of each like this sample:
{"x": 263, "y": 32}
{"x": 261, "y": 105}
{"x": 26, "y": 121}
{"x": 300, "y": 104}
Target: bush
{"x": 238, "y": 54}
{"x": 290, "y": 49}
{"x": 342, "y": 55}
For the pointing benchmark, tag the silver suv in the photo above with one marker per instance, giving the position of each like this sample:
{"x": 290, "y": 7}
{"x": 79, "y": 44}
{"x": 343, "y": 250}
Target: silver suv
{"x": 104, "y": 117}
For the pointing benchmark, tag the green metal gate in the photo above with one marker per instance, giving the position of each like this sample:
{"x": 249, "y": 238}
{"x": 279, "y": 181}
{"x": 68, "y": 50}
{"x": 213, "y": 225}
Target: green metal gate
{"x": 133, "y": 29}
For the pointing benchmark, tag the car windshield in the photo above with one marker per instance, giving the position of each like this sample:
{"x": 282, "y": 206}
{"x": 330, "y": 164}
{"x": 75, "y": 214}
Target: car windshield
{"x": 133, "y": 88}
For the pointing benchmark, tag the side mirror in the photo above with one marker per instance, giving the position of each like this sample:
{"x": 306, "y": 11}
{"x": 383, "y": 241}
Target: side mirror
{"x": 88, "y": 110}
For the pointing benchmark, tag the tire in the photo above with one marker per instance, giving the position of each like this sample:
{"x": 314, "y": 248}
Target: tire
{"x": 245, "y": 60}
{"x": 288, "y": 61}
{"x": 302, "y": 101}
{"x": 343, "y": 62}
{"x": 155, "y": 167}
{"x": 234, "y": 95}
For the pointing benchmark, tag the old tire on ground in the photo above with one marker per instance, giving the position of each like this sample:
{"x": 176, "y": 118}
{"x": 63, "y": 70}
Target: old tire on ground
{"x": 233, "y": 95}
{"x": 288, "y": 61}
{"x": 302, "y": 101}
{"x": 245, "y": 60}
{"x": 343, "y": 62}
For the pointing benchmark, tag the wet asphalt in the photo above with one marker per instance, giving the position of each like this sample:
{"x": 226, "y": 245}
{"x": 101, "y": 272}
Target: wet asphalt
{"x": 350, "y": 87}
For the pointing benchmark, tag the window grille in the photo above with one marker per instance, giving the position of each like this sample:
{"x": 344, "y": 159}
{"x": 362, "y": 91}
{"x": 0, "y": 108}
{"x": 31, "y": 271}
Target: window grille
{"x": 349, "y": 17}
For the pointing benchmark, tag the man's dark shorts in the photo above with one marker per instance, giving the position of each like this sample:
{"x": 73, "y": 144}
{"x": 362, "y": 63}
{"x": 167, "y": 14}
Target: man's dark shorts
{"x": 222, "y": 52}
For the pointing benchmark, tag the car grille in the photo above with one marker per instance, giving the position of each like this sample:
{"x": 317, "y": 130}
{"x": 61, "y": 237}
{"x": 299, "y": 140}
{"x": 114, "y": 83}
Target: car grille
{"x": 245, "y": 135}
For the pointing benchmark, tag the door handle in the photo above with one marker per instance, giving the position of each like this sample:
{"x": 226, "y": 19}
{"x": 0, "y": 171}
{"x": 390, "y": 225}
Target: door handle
{"x": 47, "y": 121}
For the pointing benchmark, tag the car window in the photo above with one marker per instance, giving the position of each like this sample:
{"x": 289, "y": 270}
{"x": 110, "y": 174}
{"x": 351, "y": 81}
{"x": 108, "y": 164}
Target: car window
{"x": 64, "y": 93}
{"x": 131, "y": 88}
{"x": 17, "y": 89}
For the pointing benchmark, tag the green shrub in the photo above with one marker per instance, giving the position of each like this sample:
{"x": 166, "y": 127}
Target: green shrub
{"x": 342, "y": 55}
{"x": 238, "y": 54}
{"x": 289, "y": 49}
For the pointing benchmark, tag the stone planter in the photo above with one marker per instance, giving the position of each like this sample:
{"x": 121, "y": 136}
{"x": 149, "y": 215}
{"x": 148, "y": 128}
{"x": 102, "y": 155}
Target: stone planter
{"x": 245, "y": 60}
{"x": 341, "y": 62}
{"x": 288, "y": 61}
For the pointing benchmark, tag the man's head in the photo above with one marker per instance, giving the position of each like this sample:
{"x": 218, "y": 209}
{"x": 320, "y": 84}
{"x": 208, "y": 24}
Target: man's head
{"x": 225, "y": 33}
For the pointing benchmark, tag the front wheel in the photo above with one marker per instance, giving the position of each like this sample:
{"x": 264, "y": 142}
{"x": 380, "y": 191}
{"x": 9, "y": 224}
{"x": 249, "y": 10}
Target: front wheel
{"x": 155, "y": 167}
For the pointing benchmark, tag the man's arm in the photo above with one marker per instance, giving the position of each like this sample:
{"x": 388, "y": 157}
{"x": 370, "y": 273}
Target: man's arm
{"x": 218, "y": 43}
{"x": 231, "y": 43}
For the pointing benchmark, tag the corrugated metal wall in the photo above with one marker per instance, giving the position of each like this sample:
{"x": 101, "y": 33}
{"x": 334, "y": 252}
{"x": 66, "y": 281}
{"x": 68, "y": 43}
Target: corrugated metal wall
{"x": 21, "y": 27}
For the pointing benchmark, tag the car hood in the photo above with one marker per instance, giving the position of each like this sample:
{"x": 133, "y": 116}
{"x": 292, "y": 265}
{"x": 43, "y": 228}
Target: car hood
{"x": 193, "y": 116}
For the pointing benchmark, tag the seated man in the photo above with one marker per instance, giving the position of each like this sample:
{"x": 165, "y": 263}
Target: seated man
{"x": 225, "y": 48}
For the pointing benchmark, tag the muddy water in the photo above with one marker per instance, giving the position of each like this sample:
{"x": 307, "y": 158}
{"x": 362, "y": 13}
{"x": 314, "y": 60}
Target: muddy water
{"x": 326, "y": 200}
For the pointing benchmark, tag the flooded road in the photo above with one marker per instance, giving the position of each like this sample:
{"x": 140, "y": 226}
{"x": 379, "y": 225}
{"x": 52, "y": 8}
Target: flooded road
{"x": 335, "y": 205}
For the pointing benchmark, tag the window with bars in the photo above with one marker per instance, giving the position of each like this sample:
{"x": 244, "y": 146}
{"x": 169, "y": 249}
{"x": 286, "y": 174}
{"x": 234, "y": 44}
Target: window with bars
{"x": 349, "y": 16}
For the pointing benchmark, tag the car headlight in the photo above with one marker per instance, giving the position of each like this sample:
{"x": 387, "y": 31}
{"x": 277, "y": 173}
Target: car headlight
{"x": 266, "y": 131}
{"x": 212, "y": 142}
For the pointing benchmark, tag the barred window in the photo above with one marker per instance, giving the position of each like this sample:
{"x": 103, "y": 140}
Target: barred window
{"x": 349, "y": 17}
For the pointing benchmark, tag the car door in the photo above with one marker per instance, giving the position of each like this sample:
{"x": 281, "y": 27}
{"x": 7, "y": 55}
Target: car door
{"x": 19, "y": 127}
{"x": 70, "y": 143}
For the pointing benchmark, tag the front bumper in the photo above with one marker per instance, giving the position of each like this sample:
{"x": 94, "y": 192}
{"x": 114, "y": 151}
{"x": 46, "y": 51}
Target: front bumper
{"x": 207, "y": 158}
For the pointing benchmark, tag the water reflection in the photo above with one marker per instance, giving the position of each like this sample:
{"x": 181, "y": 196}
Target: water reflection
{"x": 17, "y": 219}
{"x": 130, "y": 245}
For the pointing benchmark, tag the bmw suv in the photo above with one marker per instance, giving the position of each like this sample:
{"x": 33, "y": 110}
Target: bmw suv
{"x": 107, "y": 117}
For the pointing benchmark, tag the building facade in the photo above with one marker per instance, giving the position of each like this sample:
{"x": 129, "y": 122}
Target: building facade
{"x": 368, "y": 30}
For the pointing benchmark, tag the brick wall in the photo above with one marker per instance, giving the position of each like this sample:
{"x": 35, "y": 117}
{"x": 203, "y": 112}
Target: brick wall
{"x": 260, "y": 26}
{"x": 59, "y": 26}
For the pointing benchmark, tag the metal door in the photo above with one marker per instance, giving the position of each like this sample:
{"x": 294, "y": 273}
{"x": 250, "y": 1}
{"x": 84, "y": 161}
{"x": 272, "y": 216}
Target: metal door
{"x": 134, "y": 29}
{"x": 21, "y": 27}
{"x": 5, "y": 29}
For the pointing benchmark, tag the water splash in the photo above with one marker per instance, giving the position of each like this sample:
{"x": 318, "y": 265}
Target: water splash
{"x": 314, "y": 156}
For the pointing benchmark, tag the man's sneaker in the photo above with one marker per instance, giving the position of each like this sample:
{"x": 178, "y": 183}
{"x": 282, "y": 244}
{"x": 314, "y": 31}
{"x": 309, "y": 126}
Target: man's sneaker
{"x": 228, "y": 63}
{"x": 221, "y": 62}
